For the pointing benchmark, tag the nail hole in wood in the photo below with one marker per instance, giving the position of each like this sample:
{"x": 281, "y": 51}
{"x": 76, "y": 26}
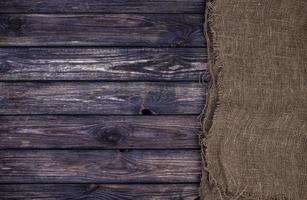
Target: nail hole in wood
{"x": 91, "y": 188}
{"x": 146, "y": 111}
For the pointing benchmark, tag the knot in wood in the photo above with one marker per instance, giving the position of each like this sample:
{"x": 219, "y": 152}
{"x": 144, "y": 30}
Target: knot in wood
{"x": 3, "y": 101}
{"x": 179, "y": 42}
{"x": 15, "y": 24}
{"x": 4, "y": 66}
{"x": 111, "y": 135}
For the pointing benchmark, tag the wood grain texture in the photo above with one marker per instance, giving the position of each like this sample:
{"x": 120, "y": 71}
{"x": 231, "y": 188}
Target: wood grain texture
{"x": 99, "y": 191}
{"x": 164, "y": 30}
{"x": 108, "y": 98}
{"x": 112, "y": 64}
{"x": 102, "y": 6}
{"x": 106, "y": 166}
{"x": 146, "y": 132}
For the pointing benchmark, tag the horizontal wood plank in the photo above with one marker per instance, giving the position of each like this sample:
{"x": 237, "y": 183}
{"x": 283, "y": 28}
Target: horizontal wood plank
{"x": 106, "y": 166}
{"x": 146, "y": 64}
{"x": 164, "y": 30}
{"x": 99, "y": 191}
{"x": 107, "y": 98}
{"x": 146, "y": 132}
{"x": 102, "y": 6}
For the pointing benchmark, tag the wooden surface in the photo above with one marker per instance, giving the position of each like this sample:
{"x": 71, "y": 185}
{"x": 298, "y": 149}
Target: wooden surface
{"x": 108, "y": 64}
{"x": 99, "y": 132}
{"x": 100, "y": 99}
{"x": 145, "y": 30}
{"x": 99, "y": 191}
{"x": 128, "y": 98}
{"x": 102, "y": 6}
{"x": 108, "y": 166}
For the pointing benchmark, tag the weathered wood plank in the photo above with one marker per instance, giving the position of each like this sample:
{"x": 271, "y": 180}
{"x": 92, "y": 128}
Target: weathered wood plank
{"x": 102, "y": 6}
{"x": 108, "y": 98}
{"x": 106, "y": 166}
{"x": 102, "y": 30}
{"x": 174, "y": 64}
{"x": 99, "y": 191}
{"x": 143, "y": 132}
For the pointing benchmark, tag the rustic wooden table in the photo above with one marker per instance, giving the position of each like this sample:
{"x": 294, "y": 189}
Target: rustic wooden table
{"x": 99, "y": 98}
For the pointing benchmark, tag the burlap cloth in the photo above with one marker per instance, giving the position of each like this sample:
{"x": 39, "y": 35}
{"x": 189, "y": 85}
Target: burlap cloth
{"x": 255, "y": 123}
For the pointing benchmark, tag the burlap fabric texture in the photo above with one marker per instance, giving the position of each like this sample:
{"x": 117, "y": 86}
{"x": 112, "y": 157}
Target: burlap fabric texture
{"x": 255, "y": 123}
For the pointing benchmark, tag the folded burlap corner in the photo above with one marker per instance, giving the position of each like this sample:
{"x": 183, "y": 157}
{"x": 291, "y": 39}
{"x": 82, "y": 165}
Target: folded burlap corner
{"x": 255, "y": 123}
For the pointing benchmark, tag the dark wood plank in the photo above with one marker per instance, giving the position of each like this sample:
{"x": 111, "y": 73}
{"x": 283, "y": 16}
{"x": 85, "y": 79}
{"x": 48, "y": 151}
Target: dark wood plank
{"x": 102, "y": 6}
{"x": 102, "y": 30}
{"x": 108, "y": 98}
{"x": 106, "y": 166}
{"x": 99, "y": 191}
{"x": 175, "y": 64}
{"x": 146, "y": 132}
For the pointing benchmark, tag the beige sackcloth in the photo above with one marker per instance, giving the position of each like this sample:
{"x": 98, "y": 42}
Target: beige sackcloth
{"x": 255, "y": 122}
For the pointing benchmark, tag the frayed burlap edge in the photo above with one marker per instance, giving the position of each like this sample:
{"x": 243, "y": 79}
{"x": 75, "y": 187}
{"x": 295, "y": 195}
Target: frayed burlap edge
{"x": 209, "y": 189}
